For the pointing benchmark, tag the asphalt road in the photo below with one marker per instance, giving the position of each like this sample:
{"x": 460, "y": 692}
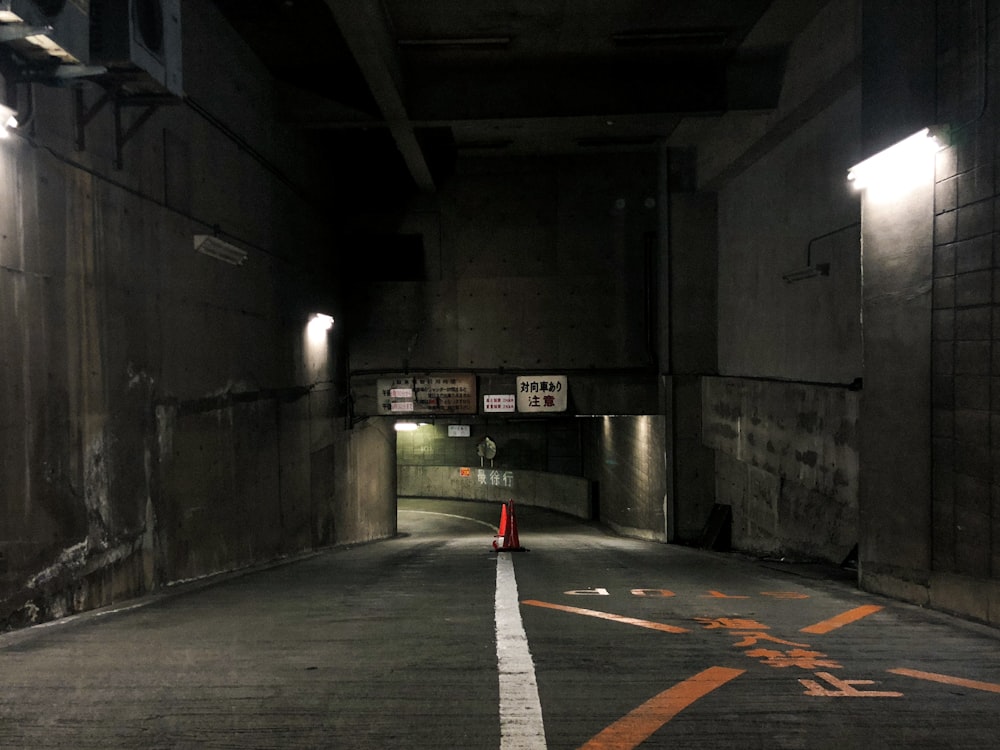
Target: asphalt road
{"x": 434, "y": 640}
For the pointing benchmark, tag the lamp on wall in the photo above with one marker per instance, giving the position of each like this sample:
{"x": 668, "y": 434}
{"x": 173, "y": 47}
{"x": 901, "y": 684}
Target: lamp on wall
{"x": 318, "y": 325}
{"x": 807, "y": 272}
{"x": 8, "y": 120}
{"x": 212, "y": 246}
{"x": 893, "y": 170}
{"x": 812, "y": 269}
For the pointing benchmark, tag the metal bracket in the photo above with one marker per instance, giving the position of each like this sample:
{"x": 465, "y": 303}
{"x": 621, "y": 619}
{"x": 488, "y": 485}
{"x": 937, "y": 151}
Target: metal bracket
{"x": 119, "y": 102}
{"x": 123, "y": 136}
{"x": 84, "y": 114}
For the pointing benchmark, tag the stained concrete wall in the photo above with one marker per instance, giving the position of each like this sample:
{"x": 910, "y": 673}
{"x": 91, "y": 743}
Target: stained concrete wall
{"x": 787, "y": 462}
{"x": 559, "y": 492}
{"x": 165, "y": 415}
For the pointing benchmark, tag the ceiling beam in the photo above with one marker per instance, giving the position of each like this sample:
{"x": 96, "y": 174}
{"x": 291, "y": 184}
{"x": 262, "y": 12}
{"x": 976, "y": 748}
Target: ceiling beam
{"x": 365, "y": 28}
{"x": 680, "y": 85}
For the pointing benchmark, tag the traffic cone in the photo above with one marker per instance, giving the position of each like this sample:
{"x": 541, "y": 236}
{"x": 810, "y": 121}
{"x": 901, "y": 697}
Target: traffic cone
{"x": 508, "y": 531}
{"x": 502, "y": 531}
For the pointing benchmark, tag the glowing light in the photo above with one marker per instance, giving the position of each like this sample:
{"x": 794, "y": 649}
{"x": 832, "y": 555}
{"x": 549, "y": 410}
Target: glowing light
{"x": 405, "y": 426}
{"x": 319, "y": 324}
{"x": 891, "y": 172}
{"x": 8, "y": 121}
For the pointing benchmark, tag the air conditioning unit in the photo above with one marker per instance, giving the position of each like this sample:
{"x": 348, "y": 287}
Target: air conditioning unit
{"x": 47, "y": 31}
{"x": 140, "y": 40}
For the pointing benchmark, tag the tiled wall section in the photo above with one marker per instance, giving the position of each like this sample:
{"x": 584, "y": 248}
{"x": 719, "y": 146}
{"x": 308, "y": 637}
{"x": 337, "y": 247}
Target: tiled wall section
{"x": 966, "y": 289}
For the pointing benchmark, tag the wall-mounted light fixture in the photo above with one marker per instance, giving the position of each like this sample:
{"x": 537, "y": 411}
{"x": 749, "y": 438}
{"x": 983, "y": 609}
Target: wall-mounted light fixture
{"x": 812, "y": 269}
{"x": 8, "y": 120}
{"x": 895, "y": 169}
{"x": 319, "y": 324}
{"x": 212, "y": 246}
{"x": 405, "y": 426}
{"x": 807, "y": 272}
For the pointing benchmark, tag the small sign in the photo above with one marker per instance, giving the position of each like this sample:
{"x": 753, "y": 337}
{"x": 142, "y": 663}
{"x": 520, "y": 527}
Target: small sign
{"x": 428, "y": 394}
{"x": 465, "y": 471}
{"x": 502, "y": 402}
{"x": 459, "y": 430}
{"x": 542, "y": 393}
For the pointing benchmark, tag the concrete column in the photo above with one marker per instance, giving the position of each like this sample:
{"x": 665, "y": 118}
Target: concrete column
{"x": 895, "y": 474}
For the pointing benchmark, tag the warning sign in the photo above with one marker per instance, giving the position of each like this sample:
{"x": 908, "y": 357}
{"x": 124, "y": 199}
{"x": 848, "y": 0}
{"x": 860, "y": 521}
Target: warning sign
{"x": 542, "y": 393}
{"x": 428, "y": 394}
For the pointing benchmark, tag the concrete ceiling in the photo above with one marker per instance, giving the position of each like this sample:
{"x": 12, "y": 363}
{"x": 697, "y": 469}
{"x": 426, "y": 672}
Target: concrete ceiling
{"x": 411, "y": 85}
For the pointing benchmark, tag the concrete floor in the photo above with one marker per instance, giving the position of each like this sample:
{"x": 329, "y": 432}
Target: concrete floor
{"x": 394, "y": 645}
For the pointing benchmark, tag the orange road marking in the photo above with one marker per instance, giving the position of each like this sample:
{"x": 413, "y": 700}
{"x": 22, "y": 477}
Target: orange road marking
{"x": 607, "y": 616}
{"x": 959, "y": 681}
{"x": 844, "y": 618}
{"x": 720, "y": 595}
{"x": 639, "y": 724}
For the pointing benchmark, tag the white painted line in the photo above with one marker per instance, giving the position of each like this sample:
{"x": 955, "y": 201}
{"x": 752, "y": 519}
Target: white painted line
{"x": 449, "y": 515}
{"x": 521, "y": 726}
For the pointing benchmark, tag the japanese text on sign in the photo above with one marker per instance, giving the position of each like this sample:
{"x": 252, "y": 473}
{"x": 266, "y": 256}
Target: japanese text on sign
{"x": 428, "y": 394}
{"x": 495, "y": 478}
{"x": 542, "y": 393}
{"x": 506, "y": 402}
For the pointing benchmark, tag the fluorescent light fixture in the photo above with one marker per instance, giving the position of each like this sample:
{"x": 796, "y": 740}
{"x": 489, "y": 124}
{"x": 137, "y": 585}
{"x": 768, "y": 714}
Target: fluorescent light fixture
{"x": 405, "y": 426}
{"x": 894, "y": 169}
{"x": 212, "y": 246}
{"x": 8, "y": 120}
{"x": 807, "y": 272}
{"x": 321, "y": 321}
{"x": 319, "y": 324}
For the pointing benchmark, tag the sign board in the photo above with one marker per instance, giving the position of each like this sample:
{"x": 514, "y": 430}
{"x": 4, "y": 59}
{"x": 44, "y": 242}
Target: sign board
{"x": 459, "y": 430}
{"x": 504, "y": 402}
{"x": 542, "y": 393}
{"x": 427, "y": 394}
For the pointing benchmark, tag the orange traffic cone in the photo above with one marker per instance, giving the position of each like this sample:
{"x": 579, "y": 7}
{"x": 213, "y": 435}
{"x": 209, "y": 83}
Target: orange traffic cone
{"x": 502, "y": 532}
{"x": 506, "y": 539}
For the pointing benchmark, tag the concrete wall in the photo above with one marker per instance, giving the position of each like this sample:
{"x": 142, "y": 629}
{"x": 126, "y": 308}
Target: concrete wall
{"x": 780, "y": 420}
{"x": 365, "y": 501}
{"x": 544, "y": 445}
{"x": 689, "y": 351}
{"x": 164, "y": 414}
{"x": 626, "y": 461}
{"x": 538, "y": 462}
{"x": 929, "y": 500}
{"x": 532, "y": 264}
{"x": 787, "y": 462}
{"x": 566, "y": 494}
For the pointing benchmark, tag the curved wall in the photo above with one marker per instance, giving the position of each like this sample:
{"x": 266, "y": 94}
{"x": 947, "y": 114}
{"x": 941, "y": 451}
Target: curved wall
{"x": 558, "y": 492}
